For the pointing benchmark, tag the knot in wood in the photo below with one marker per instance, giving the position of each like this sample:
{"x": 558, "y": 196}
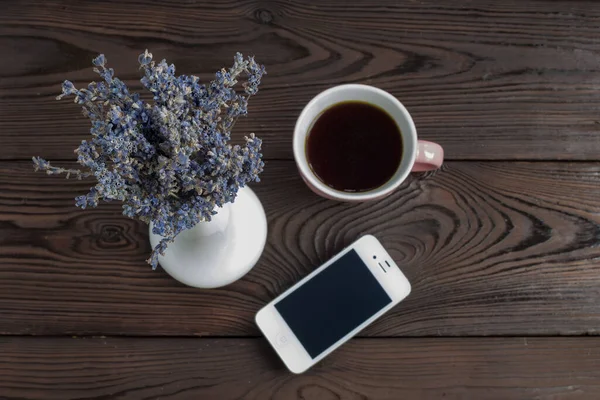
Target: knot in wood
{"x": 264, "y": 16}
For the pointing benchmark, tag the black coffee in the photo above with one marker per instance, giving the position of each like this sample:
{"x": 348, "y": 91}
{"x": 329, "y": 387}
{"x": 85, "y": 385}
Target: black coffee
{"x": 354, "y": 147}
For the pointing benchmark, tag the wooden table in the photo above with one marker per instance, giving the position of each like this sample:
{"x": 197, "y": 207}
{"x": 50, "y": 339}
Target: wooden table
{"x": 502, "y": 245}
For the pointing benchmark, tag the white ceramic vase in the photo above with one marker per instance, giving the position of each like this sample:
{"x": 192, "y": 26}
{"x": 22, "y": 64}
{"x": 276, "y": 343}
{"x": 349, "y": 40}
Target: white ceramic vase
{"x": 219, "y": 252}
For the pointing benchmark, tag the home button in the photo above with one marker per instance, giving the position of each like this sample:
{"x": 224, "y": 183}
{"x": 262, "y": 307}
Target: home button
{"x": 281, "y": 340}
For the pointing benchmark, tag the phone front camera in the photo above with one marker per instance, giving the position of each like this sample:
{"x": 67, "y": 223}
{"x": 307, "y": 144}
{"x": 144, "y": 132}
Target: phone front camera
{"x": 374, "y": 257}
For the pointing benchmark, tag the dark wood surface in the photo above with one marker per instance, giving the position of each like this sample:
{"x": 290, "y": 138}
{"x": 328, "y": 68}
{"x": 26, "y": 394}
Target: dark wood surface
{"x": 503, "y": 241}
{"x": 490, "y": 248}
{"x": 228, "y": 369}
{"x": 518, "y": 78}
{"x": 125, "y": 368}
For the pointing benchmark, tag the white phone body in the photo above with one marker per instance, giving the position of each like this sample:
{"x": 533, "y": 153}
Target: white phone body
{"x": 282, "y": 337}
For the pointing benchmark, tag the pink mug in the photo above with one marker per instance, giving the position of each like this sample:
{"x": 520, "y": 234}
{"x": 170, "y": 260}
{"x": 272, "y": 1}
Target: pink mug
{"x": 419, "y": 155}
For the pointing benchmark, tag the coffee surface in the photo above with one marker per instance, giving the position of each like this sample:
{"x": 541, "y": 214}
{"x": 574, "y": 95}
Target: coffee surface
{"x": 354, "y": 147}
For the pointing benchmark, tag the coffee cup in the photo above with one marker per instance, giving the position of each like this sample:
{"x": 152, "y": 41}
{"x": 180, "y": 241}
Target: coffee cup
{"x": 417, "y": 155}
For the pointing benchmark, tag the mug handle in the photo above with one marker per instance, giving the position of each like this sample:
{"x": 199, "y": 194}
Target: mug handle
{"x": 430, "y": 156}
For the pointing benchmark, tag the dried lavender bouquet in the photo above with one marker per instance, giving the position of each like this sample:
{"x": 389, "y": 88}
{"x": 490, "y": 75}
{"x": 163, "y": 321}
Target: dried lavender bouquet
{"x": 169, "y": 162}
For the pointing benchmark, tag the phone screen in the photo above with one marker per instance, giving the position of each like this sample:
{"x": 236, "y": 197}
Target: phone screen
{"x": 333, "y": 303}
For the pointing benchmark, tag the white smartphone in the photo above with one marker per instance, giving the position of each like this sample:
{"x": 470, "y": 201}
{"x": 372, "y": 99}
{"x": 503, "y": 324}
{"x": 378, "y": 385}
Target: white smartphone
{"x": 332, "y": 304}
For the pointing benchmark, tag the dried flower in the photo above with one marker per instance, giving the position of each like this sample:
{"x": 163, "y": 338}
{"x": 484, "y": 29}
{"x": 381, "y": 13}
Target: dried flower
{"x": 169, "y": 162}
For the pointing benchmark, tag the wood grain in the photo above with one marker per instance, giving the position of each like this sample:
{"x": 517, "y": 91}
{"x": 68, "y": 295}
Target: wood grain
{"x": 488, "y": 80}
{"x": 224, "y": 369}
{"x": 491, "y": 248}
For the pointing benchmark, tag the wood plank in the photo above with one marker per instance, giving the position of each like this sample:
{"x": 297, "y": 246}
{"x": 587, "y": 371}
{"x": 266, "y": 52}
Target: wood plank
{"x": 488, "y": 80}
{"x": 482, "y": 368}
{"x": 490, "y": 248}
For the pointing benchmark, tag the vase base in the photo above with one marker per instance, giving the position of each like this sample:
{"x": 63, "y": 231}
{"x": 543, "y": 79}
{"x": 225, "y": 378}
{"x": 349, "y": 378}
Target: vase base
{"x": 219, "y": 252}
